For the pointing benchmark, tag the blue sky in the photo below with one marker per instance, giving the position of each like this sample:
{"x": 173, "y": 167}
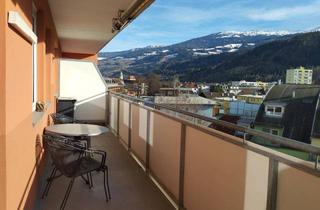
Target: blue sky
{"x": 172, "y": 21}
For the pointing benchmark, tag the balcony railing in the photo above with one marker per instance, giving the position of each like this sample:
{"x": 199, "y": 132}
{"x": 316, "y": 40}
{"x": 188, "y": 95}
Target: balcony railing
{"x": 197, "y": 167}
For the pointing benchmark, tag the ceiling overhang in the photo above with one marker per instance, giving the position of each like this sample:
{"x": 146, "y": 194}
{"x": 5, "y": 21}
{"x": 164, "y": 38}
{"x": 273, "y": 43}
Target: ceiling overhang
{"x": 86, "y": 26}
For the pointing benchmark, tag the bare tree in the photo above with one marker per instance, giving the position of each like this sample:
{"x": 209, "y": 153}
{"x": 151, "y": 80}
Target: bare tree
{"x": 154, "y": 84}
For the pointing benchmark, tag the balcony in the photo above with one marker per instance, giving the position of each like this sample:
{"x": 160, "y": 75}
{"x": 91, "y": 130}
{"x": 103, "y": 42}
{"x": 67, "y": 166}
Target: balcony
{"x": 129, "y": 184}
{"x": 159, "y": 160}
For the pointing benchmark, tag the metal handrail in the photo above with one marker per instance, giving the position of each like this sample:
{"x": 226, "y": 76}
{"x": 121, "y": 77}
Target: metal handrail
{"x": 269, "y": 137}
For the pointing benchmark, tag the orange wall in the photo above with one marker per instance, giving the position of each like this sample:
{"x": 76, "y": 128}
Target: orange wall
{"x": 21, "y": 138}
{"x": 2, "y": 107}
{"x": 80, "y": 56}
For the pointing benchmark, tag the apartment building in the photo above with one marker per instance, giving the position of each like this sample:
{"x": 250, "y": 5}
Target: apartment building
{"x": 34, "y": 36}
{"x": 299, "y": 76}
{"x": 291, "y": 111}
{"x": 158, "y": 161}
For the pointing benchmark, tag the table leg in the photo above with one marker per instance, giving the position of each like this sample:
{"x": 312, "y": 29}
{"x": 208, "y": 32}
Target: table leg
{"x": 89, "y": 142}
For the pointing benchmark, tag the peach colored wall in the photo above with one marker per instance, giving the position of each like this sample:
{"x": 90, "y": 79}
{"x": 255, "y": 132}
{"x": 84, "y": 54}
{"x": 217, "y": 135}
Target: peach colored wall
{"x": 165, "y": 152}
{"x": 48, "y": 54}
{"x": 22, "y": 139}
{"x": 80, "y": 56}
{"x": 2, "y": 107}
{"x": 138, "y": 145}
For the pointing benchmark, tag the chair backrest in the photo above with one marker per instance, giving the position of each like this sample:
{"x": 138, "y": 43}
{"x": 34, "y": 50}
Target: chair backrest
{"x": 64, "y": 155}
{"x": 61, "y": 118}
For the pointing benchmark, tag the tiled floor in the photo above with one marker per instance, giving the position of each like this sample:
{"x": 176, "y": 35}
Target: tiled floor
{"x": 130, "y": 188}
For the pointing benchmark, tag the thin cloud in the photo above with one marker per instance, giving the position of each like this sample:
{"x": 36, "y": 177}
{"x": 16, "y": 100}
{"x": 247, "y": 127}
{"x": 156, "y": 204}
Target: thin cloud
{"x": 186, "y": 14}
{"x": 285, "y": 13}
{"x": 148, "y": 34}
{"x": 190, "y": 15}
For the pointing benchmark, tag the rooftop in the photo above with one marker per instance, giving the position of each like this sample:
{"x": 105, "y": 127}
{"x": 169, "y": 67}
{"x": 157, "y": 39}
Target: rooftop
{"x": 287, "y": 91}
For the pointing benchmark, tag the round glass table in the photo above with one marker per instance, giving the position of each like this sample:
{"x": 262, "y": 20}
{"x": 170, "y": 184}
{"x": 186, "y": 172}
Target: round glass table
{"x": 77, "y": 130}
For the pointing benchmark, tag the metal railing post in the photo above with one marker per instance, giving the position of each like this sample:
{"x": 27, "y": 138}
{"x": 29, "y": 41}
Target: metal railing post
{"x": 245, "y": 138}
{"x": 316, "y": 163}
{"x": 272, "y": 184}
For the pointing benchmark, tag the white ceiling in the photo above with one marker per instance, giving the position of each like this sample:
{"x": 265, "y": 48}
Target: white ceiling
{"x": 84, "y": 26}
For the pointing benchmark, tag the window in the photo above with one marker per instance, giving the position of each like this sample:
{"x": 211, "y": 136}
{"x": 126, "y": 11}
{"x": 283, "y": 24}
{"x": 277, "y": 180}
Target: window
{"x": 34, "y": 59}
{"x": 271, "y": 131}
{"x": 274, "y": 132}
{"x": 272, "y": 110}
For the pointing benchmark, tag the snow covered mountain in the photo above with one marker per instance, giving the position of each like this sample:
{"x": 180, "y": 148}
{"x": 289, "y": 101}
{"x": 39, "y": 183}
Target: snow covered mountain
{"x": 153, "y": 58}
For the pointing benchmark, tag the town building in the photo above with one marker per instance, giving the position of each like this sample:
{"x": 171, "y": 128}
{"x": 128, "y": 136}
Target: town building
{"x": 299, "y": 76}
{"x": 167, "y": 91}
{"x": 244, "y": 83}
{"x": 114, "y": 84}
{"x": 252, "y": 99}
{"x": 290, "y": 111}
{"x": 183, "y": 89}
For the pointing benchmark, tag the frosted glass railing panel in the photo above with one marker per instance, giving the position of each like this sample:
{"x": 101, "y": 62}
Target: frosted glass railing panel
{"x": 138, "y": 132}
{"x": 221, "y": 175}
{"x": 165, "y": 141}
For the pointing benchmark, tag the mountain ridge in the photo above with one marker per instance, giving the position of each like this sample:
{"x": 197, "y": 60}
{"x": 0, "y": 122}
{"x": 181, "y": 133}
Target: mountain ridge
{"x": 267, "y": 62}
{"x": 210, "y": 54}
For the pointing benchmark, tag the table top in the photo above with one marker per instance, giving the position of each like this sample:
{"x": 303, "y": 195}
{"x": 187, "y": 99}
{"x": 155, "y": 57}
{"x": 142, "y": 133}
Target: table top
{"x": 76, "y": 129}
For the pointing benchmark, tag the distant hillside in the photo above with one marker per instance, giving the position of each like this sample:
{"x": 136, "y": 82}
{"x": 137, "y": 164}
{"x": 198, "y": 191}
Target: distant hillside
{"x": 267, "y": 62}
{"x": 186, "y": 57}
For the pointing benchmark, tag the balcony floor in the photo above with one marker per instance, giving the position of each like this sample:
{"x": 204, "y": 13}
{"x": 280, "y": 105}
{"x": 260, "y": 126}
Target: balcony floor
{"x": 130, "y": 187}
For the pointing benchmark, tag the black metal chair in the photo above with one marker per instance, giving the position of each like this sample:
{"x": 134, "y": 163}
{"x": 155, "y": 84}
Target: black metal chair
{"x": 59, "y": 118}
{"x": 72, "y": 159}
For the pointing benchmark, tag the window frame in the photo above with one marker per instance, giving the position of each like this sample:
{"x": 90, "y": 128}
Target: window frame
{"x": 276, "y": 131}
{"x": 273, "y": 113}
{"x": 271, "y": 131}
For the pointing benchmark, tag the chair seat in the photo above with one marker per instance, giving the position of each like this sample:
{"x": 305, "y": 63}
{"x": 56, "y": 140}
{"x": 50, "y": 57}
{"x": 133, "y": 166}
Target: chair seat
{"x": 64, "y": 120}
{"x": 83, "y": 166}
{"x": 61, "y": 118}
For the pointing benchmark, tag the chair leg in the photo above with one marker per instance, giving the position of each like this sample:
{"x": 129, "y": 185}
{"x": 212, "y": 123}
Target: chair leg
{"x": 49, "y": 182}
{"x": 86, "y": 180}
{"x": 66, "y": 197}
{"x": 91, "y": 181}
{"x": 105, "y": 187}
{"x": 106, "y": 183}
